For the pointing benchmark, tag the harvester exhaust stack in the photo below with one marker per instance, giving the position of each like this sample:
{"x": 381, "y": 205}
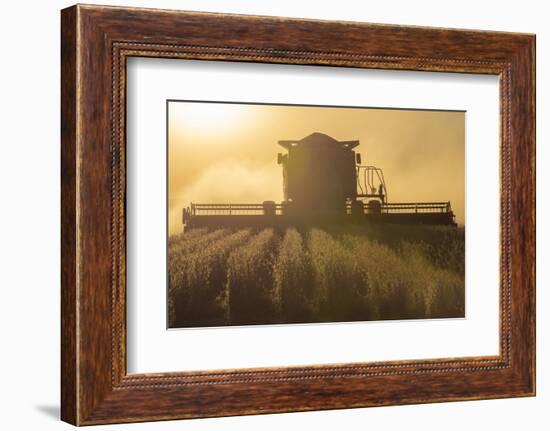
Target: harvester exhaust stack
{"x": 323, "y": 182}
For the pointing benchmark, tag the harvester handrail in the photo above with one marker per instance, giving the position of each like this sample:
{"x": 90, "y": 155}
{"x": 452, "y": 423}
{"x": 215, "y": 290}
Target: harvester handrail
{"x": 444, "y": 207}
{"x": 415, "y": 203}
{"x": 230, "y": 209}
{"x": 231, "y": 206}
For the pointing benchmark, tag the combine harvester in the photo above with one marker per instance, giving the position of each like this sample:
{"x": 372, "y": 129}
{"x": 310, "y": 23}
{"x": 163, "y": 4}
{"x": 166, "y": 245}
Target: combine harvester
{"x": 323, "y": 183}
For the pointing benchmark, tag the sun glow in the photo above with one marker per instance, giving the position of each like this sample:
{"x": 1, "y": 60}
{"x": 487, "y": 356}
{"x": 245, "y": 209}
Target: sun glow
{"x": 208, "y": 118}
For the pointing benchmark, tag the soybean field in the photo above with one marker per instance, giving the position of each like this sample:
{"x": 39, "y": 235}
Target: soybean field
{"x": 221, "y": 277}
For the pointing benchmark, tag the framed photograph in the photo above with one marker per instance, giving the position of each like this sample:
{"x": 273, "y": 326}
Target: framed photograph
{"x": 328, "y": 244}
{"x": 279, "y": 215}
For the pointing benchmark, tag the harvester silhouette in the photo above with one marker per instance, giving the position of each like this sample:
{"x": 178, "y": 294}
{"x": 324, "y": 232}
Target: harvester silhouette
{"x": 324, "y": 183}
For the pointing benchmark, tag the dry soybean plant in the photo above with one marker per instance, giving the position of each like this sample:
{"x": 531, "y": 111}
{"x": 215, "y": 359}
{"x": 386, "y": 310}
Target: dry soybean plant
{"x": 250, "y": 295}
{"x": 293, "y": 278}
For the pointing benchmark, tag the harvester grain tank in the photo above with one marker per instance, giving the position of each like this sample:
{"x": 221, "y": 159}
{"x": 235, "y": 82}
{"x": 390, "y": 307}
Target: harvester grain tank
{"x": 324, "y": 182}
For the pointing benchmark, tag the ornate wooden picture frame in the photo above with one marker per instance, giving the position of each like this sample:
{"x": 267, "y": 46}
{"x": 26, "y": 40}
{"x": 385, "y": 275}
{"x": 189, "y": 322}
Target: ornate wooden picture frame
{"x": 96, "y": 41}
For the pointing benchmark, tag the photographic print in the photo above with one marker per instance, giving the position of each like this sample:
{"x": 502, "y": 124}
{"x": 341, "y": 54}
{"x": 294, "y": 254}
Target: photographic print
{"x": 286, "y": 214}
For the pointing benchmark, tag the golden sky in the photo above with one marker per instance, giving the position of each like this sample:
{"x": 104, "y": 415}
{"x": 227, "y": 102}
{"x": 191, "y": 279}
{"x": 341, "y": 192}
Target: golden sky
{"x": 227, "y": 153}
